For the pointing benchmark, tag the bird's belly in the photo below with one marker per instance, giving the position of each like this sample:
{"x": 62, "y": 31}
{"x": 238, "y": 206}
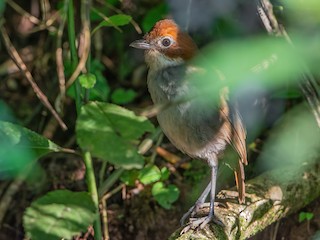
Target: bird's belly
{"x": 188, "y": 128}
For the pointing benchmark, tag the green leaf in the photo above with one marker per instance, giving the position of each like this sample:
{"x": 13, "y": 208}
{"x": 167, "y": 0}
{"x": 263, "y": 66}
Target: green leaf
{"x": 100, "y": 90}
{"x": 304, "y": 11}
{"x": 305, "y": 216}
{"x": 114, "y": 21}
{"x": 129, "y": 177}
{"x": 87, "y": 80}
{"x": 149, "y": 174}
{"x": 59, "y": 214}
{"x": 123, "y": 96}
{"x": 165, "y": 173}
{"x": 107, "y": 131}
{"x": 165, "y": 196}
{"x": 271, "y": 60}
{"x": 20, "y": 147}
{"x": 117, "y": 20}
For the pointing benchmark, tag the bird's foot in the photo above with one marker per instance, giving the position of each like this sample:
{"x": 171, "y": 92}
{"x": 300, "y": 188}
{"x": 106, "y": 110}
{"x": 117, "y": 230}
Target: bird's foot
{"x": 195, "y": 209}
{"x": 200, "y": 223}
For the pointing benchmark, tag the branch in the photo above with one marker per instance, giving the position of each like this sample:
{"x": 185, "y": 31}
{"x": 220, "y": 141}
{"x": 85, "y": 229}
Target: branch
{"x": 270, "y": 197}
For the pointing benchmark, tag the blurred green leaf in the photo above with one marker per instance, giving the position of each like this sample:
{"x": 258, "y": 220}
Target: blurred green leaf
{"x": 269, "y": 61}
{"x": 165, "y": 196}
{"x": 87, "y": 80}
{"x": 123, "y": 96}
{"x": 304, "y": 10}
{"x": 59, "y": 214}
{"x": 165, "y": 173}
{"x": 293, "y": 140}
{"x": 290, "y": 93}
{"x": 19, "y": 147}
{"x": 149, "y": 174}
{"x": 129, "y": 177}
{"x": 107, "y": 131}
{"x": 305, "y": 216}
{"x": 153, "y": 15}
{"x": 114, "y": 21}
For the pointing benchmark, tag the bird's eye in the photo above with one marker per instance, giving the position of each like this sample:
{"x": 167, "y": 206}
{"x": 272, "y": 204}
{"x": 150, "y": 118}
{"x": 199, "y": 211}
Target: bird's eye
{"x": 166, "y": 42}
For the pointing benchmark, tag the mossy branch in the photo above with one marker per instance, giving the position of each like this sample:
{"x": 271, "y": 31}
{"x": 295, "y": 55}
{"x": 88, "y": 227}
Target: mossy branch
{"x": 270, "y": 197}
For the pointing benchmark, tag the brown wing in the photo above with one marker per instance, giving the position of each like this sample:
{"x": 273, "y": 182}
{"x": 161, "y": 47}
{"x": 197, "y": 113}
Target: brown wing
{"x": 237, "y": 139}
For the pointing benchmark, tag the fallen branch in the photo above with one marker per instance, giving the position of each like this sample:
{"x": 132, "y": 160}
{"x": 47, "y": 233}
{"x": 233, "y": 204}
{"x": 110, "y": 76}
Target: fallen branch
{"x": 270, "y": 197}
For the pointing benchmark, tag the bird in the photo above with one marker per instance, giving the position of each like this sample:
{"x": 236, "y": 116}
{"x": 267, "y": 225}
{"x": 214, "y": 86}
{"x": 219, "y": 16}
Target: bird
{"x": 200, "y": 125}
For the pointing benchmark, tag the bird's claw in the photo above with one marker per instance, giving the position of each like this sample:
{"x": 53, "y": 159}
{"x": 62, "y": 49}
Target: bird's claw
{"x": 200, "y": 223}
{"x": 195, "y": 209}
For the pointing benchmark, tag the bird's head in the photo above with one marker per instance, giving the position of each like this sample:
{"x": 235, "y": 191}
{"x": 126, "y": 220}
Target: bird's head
{"x": 166, "y": 45}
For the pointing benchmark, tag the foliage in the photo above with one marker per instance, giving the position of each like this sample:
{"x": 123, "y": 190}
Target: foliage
{"x": 59, "y": 214}
{"x": 107, "y": 131}
{"x": 112, "y": 133}
{"x": 305, "y": 216}
{"x": 122, "y": 96}
{"x": 165, "y": 196}
{"x": 20, "y": 147}
{"x": 114, "y": 21}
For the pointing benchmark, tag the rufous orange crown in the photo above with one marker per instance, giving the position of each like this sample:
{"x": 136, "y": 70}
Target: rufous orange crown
{"x": 183, "y": 45}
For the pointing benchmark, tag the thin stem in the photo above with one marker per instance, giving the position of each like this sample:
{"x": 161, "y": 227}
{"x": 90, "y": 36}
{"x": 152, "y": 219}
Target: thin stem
{"x": 73, "y": 52}
{"x": 92, "y": 187}
{"x": 109, "y": 182}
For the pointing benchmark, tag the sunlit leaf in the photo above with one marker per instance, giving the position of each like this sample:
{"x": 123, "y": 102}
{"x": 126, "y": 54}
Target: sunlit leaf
{"x": 59, "y": 214}
{"x": 107, "y": 131}
{"x": 114, "y": 21}
{"x": 149, "y": 174}
{"x": 87, "y": 80}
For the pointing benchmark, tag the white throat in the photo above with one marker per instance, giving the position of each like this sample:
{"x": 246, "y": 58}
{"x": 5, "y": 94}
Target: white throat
{"x": 157, "y": 61}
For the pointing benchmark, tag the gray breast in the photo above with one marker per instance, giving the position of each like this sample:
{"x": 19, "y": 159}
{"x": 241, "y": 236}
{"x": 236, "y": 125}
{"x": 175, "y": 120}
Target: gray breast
{"x": 192, "y": 125}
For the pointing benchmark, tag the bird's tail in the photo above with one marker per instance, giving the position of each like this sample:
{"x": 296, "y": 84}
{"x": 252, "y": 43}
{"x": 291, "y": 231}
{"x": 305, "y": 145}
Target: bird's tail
{"x": 240, "y": 177}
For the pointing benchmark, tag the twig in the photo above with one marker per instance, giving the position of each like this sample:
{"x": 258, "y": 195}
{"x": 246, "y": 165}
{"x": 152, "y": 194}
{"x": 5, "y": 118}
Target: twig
{"x": 84, "y": 56}
{"x": 23, "y": 68}
{"x": 45, "y": 8}
{"x": 20, "y": 10}
{"x": 105, "y": 228}
{"x": 59, "y": 59}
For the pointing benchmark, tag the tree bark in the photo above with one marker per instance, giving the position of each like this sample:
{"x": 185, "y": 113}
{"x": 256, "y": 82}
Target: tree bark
{"x": 270, "y": 197}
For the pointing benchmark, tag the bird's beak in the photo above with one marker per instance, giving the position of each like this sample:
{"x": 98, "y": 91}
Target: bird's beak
{"x": 141, "y": 44}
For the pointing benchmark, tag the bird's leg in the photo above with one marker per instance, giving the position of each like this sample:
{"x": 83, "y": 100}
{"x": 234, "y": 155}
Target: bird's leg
{"x": 203, "y": 221}
{"x": 194, "y": 209}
